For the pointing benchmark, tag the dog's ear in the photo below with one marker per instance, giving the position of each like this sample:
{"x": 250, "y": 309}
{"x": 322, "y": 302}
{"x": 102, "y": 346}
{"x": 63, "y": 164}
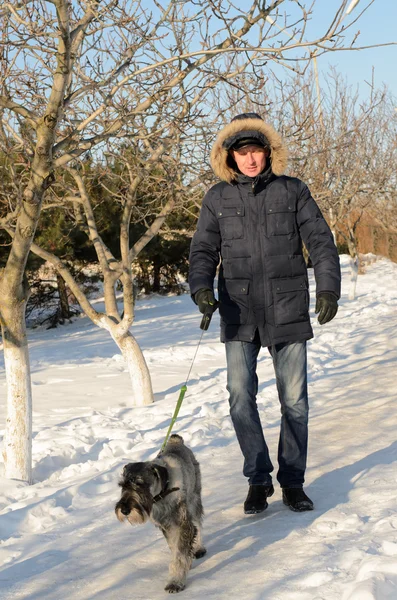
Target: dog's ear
{"x": 156, "y": 471}
{"x": 161, "y": 473}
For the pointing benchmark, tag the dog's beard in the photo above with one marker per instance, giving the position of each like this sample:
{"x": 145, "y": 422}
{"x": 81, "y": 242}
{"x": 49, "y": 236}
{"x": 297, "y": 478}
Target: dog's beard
{"x": 135, "y": 517}
{"x": 139, "y": 511}
{"x": 120, "y": 515}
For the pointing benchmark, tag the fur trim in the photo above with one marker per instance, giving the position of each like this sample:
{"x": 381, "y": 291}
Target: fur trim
{"x": 219, "y": 154}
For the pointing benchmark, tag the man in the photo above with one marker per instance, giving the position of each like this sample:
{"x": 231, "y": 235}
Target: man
{"x": 255, "y": 221}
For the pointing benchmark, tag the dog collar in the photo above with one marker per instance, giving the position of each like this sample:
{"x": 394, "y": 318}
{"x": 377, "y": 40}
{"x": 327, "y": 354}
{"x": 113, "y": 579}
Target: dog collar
{"x": 165, "y": 492}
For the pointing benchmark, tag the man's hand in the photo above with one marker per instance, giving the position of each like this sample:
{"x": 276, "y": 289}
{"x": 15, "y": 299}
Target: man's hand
{"x": 326, "y": 306}
{"x": 205, "y": 300}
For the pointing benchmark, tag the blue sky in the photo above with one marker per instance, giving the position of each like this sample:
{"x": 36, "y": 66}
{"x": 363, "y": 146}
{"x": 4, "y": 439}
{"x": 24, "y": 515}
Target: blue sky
{"x": 377, "y": 25}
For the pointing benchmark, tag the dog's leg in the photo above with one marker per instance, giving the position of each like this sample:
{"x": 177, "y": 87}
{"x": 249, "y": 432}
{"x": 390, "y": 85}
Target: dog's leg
{"x": 181, "y": 539}
{"x": 198, "y": 512}
{"x": 198, "y": 549}
{"x": 165, "y": 533}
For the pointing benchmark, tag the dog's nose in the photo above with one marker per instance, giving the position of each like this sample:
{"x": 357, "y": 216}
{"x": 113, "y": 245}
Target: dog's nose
{"x": 125, "y": 510}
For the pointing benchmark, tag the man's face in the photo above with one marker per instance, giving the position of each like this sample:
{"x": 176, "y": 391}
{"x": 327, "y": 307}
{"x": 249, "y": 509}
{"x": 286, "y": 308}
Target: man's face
{"x": 251, "y": 160}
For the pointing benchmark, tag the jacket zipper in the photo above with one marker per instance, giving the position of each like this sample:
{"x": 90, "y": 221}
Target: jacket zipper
{"x": 265, "y": 312}
{"x": 247, "y": 203}
{"x": 253, "y": 184}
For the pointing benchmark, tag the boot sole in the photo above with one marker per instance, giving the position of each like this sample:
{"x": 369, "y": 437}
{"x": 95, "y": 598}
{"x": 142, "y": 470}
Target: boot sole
{"x": 256, "y": 511}
{"x": 301, "y": 509}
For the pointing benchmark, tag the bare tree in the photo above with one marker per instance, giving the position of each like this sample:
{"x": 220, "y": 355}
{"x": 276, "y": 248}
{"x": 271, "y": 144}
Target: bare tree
{"x": 163, "y": 191}
{"x": 351, "y": 162}
{"x": 78, "y": 74}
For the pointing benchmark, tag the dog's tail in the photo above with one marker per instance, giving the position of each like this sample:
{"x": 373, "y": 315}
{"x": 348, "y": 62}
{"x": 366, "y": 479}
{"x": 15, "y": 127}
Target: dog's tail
{"x": 175, "y": 439}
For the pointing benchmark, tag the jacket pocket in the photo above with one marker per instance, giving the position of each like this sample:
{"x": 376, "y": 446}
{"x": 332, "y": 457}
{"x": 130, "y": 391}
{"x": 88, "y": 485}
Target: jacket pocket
{"x": 231, "y": 221}
{"x": 291, "y": 300}
{"x": 234, "y": 300}
{"x": 280, "y": 219}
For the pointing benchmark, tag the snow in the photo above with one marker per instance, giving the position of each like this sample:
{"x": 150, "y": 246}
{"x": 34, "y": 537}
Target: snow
{"x": 60, "y": 539}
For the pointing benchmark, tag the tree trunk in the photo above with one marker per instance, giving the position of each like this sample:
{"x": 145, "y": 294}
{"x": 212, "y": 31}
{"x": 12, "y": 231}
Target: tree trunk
{"x": 156, "y": 276}
{"x": 17, "y": 451}
{"x": 145, "y": 279}
{"x": 354, "y": 266}
{"x": 141, "y": 384}
{"x": 332, "y": 224}
{"x": 64, "y": 310}
{"x": 111, "y": 308}
{"x": 13, "y": 288}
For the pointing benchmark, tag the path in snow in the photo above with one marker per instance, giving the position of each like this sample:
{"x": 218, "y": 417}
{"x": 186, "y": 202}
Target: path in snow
{"x": 60, "y": 538}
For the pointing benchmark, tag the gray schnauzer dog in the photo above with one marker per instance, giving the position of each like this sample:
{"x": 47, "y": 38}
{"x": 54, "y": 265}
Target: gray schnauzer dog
{"x": 167, "y": 491}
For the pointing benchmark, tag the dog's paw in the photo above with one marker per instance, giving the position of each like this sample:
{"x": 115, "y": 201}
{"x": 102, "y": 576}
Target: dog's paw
{"x": 174, "y": 587}
{"x": 200, "y": 553}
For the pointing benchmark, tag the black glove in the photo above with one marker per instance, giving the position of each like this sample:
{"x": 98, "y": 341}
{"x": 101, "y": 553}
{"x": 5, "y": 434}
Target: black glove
{"x": 326, "y": 306}
{"x": 204, "y": 299}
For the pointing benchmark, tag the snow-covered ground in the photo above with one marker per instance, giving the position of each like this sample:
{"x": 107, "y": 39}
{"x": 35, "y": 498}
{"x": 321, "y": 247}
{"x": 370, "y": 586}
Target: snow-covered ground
{"x": 60, "y": 539}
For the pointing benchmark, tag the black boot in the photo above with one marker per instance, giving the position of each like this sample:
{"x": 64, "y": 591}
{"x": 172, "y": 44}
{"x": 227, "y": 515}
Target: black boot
{"x": 256, "y": 501}
{"x": 296, "y": 499}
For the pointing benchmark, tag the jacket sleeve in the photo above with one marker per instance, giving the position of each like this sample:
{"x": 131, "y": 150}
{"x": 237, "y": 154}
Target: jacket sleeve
{"x": 204, "y": 249}
{"x": 319, "y": 241}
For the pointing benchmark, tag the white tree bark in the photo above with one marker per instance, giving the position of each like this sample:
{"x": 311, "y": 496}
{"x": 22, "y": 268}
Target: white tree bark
{"x": 354, "y": 265}
{"x": 332, "y": 223}
{"x": 353, "y": 276}
{"x": 17, "y": 451}
{"x": 142, "y": 393}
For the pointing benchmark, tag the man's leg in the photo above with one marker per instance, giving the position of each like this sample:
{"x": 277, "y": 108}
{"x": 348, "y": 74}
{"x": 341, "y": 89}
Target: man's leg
{"x": 242, "y": 385}
{"x": 290, "y": 365}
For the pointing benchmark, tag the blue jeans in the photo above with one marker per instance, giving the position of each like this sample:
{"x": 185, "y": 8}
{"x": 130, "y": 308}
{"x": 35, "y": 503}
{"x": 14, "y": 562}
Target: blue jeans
{"x": 290, "y": 366}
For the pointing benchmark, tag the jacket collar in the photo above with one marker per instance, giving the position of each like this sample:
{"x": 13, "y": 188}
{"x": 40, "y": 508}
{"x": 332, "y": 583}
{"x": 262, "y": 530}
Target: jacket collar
{"x": 256, "y": 184}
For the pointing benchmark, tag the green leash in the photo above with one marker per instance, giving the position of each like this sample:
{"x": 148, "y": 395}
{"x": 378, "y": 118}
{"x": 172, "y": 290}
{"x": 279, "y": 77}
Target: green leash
{"x": 181, "y": 397}
{"x": 205, "y": 322}
{"x": 178, "y": 406}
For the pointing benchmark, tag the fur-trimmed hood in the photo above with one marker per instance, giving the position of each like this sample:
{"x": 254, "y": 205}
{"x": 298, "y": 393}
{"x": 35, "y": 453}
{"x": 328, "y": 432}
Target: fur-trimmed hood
{"x": 219, "y": 154}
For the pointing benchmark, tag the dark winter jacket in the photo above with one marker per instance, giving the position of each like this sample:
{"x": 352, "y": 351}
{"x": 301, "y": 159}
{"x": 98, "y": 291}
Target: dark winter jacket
{"x": 255, "y": 227}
